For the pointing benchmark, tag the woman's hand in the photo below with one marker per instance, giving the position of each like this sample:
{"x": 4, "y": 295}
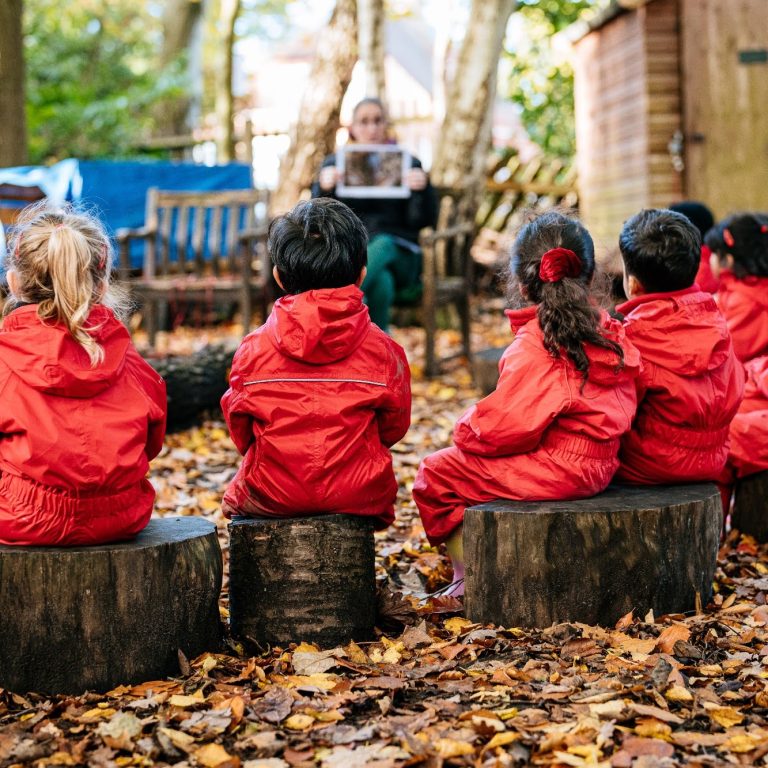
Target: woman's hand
{"x": 328, "y": 178}
{"x": 415, "y": 179}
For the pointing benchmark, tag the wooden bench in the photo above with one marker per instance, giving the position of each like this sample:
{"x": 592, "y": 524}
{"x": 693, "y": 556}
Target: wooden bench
{"x": 302, "y": 579}
{"x": 446, "y": 275}
{"x": 92, "y": 618}
{"x": 14, "y": 198}
{"x": 485, "y": 368}
{"x": 533, "y": 564}
{"x": 200, "y": 247}
{"x": 750, "y": 506}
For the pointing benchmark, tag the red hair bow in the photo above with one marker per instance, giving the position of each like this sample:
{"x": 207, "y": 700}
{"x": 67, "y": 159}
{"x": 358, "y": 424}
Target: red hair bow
{"x": 559, "y": 263}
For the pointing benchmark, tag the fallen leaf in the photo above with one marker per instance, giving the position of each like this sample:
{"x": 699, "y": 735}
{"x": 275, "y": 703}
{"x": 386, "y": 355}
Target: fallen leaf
{"x": 667, "y": 639}
{"x": 215, "y": 756}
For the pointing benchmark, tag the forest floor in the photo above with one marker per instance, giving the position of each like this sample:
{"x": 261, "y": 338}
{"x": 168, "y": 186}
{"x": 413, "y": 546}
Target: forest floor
{"x": 433, "y": 689}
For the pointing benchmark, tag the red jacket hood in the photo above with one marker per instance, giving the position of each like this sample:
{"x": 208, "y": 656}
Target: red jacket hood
{"x": 322, "y": 326}
{"x": 47, "y": 357}
{"x": 603, "y": 363}
{"x": 682, "y": 330}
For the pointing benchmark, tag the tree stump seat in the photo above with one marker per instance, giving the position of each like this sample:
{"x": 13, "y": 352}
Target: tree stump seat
{"x": 92, "y": 618}
{"x": 533, "y": 564}
{"x": 750, "y": 506}
{"x": 486, "y": 368}
{"x": 302, "y": 579}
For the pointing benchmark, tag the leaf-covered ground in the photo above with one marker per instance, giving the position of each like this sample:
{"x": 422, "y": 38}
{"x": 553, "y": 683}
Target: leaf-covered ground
{"x": 434, "y": 689}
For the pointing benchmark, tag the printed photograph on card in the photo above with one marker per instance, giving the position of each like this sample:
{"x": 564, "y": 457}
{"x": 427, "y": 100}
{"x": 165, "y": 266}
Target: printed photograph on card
{"x": 372, "y": 170}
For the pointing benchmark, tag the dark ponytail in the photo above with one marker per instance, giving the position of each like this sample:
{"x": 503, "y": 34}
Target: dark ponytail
{"x": 560, "y": 286}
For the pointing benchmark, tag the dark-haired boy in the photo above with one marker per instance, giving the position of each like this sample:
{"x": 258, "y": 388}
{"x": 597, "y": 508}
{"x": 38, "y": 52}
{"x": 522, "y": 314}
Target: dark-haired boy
{"x": 691, "y": 384}
{"x": 318, "y": 393}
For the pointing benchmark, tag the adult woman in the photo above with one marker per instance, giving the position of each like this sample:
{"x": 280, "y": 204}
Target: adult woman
{"x": 393, "y": 224}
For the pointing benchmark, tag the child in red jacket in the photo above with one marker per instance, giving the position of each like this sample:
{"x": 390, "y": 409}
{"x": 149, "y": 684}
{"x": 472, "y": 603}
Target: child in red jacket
{"x": 691, "y": 383}
{"x": 82, "y": 412}
{"x": 565, "y": 395}
{"x": 318, "y": 394}
{"x": 739, "y": 247}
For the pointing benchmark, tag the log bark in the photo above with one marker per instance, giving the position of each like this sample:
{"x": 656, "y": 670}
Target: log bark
{"x": 92, "y": 618}
{"x": 485, "y": 366}
{"x": 13, "y": 127}
{"x": 466, "y": 131}
{"x": 750, "y": 506}
{"x": 533, "y": 564}
{"x": 314, "y": 135}
{"x": 225, "y": 142}
{"x": 304, "y": 579}
{"x": 194, "y": 383}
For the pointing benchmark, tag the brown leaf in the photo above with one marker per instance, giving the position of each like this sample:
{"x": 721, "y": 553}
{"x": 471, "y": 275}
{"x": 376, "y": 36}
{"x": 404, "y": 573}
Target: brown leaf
{"x": 274, "y": 706}
{"x": 625, "y": 621}
{"x": 667, "y": 639}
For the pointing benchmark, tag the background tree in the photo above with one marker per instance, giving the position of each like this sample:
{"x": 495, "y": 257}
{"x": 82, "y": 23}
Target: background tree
{"x": 93, "y": 80}
{"x": 370, "y": 37}
{"x": 225, "y": 140}
{"x": 464, "y": 138}
{"x": 540, "y": 77}
{"x": 13, "y": 133}
{"x": 314, "y": 134}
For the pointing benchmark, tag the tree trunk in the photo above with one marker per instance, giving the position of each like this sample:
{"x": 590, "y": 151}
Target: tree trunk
{"x": 532, "y": 564}
{"x": 13, "y": 126}
{"x": 750, "y": 506}
{"x": 77, "y": 618}
{"x": 466, "y": 131}
{"x": 230, "y": 10}
{"x": 303, "y": 579}
{"x": 314, "y": 135}
{"x": 181, "y": 28}
{"x": 370, "y": 26}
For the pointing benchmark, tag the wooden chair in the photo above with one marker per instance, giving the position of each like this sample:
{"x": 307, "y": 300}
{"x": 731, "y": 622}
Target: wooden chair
{"x": 446, "y": 275}
{"x": 13, "y": 199}
{"x": 200, "y": 247}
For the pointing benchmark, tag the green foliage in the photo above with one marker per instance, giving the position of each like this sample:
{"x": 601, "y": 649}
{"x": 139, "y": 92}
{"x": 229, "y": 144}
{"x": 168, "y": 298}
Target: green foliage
{"x": 92, "y": 80}
{"x": 540, "y": 78}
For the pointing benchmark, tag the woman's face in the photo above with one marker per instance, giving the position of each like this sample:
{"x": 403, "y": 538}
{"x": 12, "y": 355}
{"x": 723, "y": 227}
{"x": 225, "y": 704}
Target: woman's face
{"x": 368, "y": 125}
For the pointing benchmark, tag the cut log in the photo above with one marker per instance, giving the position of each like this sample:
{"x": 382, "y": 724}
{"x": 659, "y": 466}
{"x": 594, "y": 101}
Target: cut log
{"x": 303, "y": 579}
{"x": 750, "y": 506}
{"x": 194, "y": 383}
{"x": 533, "y": 564}
{"x": 92, "y": 618}
{"x": 486, "y": 368}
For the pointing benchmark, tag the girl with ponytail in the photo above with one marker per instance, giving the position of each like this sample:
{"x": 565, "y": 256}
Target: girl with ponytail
{"x": 82, "y": 412}
{"x": 565, "y": 395}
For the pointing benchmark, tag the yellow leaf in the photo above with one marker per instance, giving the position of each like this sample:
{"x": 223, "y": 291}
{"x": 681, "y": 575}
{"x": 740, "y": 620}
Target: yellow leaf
{"x": 209, "y": 663}
{"x": 501, "y": 739}
{"x": 652, "y": 728}
{"x": 709, "y": 670}
{"x": 215, "y": 756}
{"x": 97, "y": 712}
{"x": 320, "y": 680}
{"x": 356, "y": 654}
{"x": 391, "y": 656}
{"x": 299, "y": 722}
{"x": 456, "y": 625}
{"x": 179, "y": 700}
{"x": 741, "y": 742}
{"x": 488, "y": 723}
{"x": 181, "y": 740}
{"x": 447, "y": 748}
{"x": 506, "y": 714}
{"x": 678, "y": 693}
{"x": 725, "y": 716}
{"x": 307, "y": 648}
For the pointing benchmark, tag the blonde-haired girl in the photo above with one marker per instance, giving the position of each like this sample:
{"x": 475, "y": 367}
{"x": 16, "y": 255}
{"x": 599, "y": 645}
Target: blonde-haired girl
{"x": 82, "y": 413}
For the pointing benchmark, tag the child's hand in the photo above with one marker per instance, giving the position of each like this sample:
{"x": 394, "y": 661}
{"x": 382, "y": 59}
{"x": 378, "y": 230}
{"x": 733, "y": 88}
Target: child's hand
{"x": 328, "y": 178}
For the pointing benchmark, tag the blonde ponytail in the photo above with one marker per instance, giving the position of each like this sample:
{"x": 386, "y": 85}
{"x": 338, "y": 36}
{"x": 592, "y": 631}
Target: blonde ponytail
{"x": 62, "y": 261}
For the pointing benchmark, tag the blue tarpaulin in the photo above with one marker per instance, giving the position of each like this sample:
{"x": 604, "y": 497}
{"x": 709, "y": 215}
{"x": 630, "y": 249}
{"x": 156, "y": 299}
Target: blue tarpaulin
{"x": 116, "y": 191}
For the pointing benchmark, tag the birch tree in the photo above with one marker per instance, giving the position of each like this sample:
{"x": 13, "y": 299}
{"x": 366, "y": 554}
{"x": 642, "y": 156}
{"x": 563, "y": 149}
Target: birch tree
{"x": 370, "y": 37}
{"x": 13, "y": 131}
{"x": 230, "y": 9}
{"x": 465, "y": 135}
{"x": 314, "y": 134}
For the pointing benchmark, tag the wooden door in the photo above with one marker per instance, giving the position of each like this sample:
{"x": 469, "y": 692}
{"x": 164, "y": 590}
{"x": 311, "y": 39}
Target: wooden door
{"x": 725, "y": 103}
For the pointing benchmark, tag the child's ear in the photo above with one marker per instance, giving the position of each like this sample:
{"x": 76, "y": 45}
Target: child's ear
{"x": 632, "y": 286}
{"x": 729, "y": 261}
{"x": 13, "y": 282}
{"x": 363, "y": 273}
{"x": 276, "y": 275}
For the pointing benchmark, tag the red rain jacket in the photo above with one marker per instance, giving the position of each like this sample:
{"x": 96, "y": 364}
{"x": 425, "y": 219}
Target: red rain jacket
{"x": 689, "y": 390}
{"x": 749, "y": 428}
{"x": 745, "y": 306}
{"x": 704, "y": 277}
{"x": 317, "y": 395}
{"x": 538, "y": 436}
{"x": 75, "y": 440}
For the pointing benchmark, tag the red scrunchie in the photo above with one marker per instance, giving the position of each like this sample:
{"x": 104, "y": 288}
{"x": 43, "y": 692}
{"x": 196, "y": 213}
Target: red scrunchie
{"x": 559, "y": 263}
